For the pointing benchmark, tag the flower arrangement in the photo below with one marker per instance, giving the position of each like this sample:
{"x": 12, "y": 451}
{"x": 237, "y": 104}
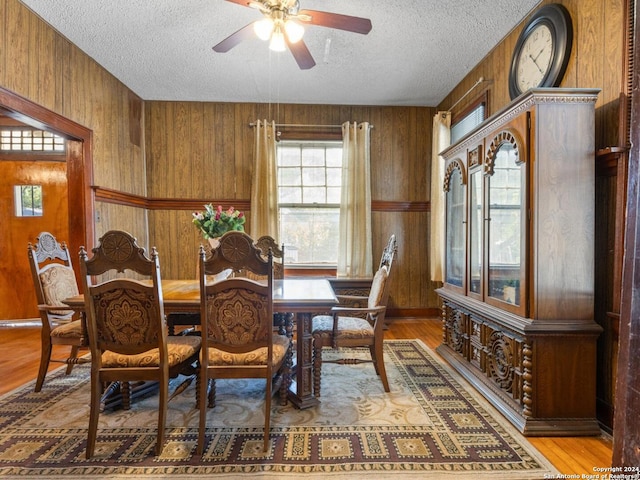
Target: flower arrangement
{"x": 216, "y": 222}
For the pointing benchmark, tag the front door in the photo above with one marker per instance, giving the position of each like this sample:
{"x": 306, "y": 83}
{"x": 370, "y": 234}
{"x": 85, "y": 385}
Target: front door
{"x": 45, "y": 172}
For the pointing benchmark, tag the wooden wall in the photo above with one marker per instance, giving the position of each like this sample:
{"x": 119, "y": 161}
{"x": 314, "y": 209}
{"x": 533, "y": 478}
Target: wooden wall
{"x": 203, "y": 152}
{"x": 597, "y": 61}
{"x": 42, "y": 66}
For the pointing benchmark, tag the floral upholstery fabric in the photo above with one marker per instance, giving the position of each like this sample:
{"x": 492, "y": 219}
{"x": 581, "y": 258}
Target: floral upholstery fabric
{"x": 179, "y": 348}
{"x": 255, "y": 357}
{"x": 349, "y": 327}
{"x": 68, "y": 330}
{"x": 377, "y": 286}
{"x": 58, "y": 283}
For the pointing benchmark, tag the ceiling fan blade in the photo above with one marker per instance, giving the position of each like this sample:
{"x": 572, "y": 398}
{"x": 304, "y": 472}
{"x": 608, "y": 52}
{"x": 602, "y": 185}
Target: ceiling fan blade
{"x": 234, "y": 39}
{"x": 302, "y": 54}
{"x": 336, "y": 20}
{"x": 244, "y": 3}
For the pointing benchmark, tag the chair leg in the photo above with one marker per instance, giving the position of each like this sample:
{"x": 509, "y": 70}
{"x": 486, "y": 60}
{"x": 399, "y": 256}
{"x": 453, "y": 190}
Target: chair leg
{"x": 162, "y": 413}
{"x": 125, "y": 391}
{"x": 71, "y": 361}
{"x": 45, "y": 357}
{"x": 267, "y": 416}
{"x": 198, "y": 396}
{"x": 317, "y": 366}
{"x": 211, "y": 393}
{"x": 94, "y": 412}
{"x": 286, "y": 375}
{"x": 378, "y": 361}
{"x": 202, "y": 406}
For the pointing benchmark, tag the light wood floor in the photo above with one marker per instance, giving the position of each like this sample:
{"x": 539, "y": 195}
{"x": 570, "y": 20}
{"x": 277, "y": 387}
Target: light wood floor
{"x": 20, "y": 352}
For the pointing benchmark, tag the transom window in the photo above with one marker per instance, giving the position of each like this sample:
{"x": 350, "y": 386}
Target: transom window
{"x": 467, "y": 122}
{"x": 20, "y": 139}
{"x": 309, "y": 185}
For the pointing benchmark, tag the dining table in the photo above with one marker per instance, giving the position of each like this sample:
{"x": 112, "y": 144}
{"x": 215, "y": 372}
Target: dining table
{"x": 301, "y": 297}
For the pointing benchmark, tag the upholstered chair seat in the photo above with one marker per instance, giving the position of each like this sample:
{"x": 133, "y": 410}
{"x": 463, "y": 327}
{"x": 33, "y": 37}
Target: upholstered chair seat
{"x": 350, "y": 328}
{"x": 70, "y": 329}
{"x": 281, "y": 345}
{"x": 179, "y": 350}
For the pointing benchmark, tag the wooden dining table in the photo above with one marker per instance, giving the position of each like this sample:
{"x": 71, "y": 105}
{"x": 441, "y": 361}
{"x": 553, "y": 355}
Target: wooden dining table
{"x": 302, "y": 297}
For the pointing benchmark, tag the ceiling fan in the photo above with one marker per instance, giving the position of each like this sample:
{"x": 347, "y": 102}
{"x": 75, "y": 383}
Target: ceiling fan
{"x": 282, "y": 26}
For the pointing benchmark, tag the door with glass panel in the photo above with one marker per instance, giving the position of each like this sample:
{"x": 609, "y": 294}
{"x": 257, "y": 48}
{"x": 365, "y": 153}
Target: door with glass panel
{"x": 455, "y": 245}
{"x": 506, "y": 223}
{"x": 476, "y": 224}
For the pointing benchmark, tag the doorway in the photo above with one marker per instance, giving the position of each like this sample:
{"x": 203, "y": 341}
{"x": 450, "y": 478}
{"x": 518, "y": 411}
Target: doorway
{"x": 76, "y": 224}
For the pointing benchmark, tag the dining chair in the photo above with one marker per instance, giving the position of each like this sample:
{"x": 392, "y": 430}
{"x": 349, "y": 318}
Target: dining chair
{"x": 126, "y": 324}
{"x": 54, "y": 280}
{"x": 238, "y": 340}
{"x": 356, "y": 326}
{"x": 267, "y": 243}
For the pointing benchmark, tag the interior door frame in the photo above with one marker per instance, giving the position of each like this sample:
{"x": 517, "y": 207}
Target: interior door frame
{"x": 79, "y": 161}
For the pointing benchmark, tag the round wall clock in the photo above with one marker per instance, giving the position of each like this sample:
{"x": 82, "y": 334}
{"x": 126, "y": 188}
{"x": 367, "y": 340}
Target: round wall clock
{"x": 542, "y": 51}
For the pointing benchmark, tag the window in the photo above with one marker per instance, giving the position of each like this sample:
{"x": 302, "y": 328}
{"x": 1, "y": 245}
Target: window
{"x": 468, "y": 121}
{"x": 309, "y": 184}
{"x": 21, "y": 139}
{"x": 27, "y": 200}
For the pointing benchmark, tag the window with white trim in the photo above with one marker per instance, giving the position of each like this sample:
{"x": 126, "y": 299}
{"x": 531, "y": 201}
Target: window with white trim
{"x": 309, "y": 185}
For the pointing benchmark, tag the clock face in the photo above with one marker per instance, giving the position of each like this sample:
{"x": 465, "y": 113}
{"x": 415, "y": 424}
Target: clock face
{"x": 542, "y": 51}
{"x": 535, "y": 58}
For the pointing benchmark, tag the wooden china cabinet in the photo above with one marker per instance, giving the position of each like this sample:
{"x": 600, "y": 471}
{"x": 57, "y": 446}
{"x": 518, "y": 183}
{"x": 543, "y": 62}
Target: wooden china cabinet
{"x": 518, "y": 295}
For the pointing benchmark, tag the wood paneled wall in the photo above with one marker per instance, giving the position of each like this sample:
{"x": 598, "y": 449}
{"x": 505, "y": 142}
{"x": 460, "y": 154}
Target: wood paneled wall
{"x": 42, "y": 66}
{"x": 205, "y": 151}
{"x": 597, "y": 61}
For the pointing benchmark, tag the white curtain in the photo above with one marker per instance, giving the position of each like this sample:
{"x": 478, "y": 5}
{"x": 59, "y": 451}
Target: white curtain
{"x": 354, "y": 249}
{"x": 264, "y": 191}
{"x": 441, "y": 140}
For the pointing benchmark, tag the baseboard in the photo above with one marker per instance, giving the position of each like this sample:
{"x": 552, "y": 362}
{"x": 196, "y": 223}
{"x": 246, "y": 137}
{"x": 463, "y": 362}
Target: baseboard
{"x": 20, "y": 323}
{"x": 412, "y": 312}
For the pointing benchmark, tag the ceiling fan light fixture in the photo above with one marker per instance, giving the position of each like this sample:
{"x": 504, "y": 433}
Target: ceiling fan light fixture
{"x": 277, "y": 43}
{"x": 294, "y": 31}
{"x": 263, "y": 28}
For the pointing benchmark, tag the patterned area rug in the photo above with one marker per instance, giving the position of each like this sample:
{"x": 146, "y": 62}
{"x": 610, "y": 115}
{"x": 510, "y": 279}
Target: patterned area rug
{"x": 429, "y": 426}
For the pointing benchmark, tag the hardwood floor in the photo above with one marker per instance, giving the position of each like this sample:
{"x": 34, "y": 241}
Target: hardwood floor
{"x": 20, "y": 355}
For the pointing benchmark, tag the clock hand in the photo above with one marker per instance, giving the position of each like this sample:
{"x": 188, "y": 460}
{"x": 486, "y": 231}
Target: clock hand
{"x": 536, "y": 64}
{"x": 539, "y": 53}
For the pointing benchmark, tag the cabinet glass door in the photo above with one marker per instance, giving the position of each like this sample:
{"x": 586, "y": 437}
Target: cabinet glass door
{"x": 505, "y": 208}
{"x": 454, "y": 252}
{"x": 475, "y": 232}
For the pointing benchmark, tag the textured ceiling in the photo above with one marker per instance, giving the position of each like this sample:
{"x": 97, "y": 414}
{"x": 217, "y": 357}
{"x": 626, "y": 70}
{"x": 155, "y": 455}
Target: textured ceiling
{"x": 417, "y": 51}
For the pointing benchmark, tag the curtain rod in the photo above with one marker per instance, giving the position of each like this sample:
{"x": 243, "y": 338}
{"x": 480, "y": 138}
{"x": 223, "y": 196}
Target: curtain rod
{"x": 478, "y": 82}
{"x": 284, "y": 125}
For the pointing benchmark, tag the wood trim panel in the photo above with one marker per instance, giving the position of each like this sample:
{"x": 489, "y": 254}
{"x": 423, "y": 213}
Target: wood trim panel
{"x": 108, "y": 195}
{"x": 626, "y": 444}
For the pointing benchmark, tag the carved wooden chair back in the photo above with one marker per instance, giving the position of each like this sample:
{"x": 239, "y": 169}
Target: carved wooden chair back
{"x": 266, "y": 243}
